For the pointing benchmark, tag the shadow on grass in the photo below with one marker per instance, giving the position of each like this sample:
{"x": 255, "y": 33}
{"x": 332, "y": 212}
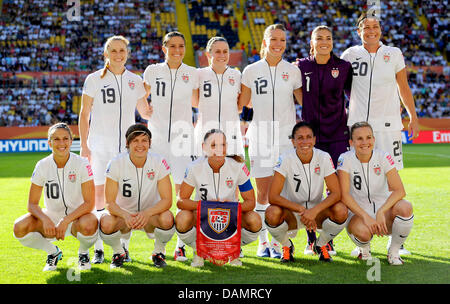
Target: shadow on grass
{"x": 344, "y": 269}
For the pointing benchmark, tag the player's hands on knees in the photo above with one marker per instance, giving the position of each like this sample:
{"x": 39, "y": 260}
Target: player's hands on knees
{"x": 140, "y": 220}
{"x": 372, "y": 225}
{"x": 381, "y": 221}
{"x": 129, "y": 220}
{"x": 309, "y": 215}
{"x": 49, "y": 228}
{"x": 61, "y": 228}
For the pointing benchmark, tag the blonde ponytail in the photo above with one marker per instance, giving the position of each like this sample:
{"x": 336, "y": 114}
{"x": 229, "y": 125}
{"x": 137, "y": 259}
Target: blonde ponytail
{"x": 267, "y": 34}
{"x": 105, "y": 50}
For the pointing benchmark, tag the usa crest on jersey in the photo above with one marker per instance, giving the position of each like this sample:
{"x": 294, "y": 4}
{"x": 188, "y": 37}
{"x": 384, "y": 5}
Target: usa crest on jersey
{"x": 231, "y": 80}
{"x": 185, "y": 78}
{"x": 150, "y": 174}
{"x": 377, "y": 170}
{"x": 386, "y": 57}
{"x": 229, "y": 182}
{"x": 72, "y": 176}
{"x": 285, "y": 76}
{"x": 131, "y": 84}
{"x": 335, "y": 72}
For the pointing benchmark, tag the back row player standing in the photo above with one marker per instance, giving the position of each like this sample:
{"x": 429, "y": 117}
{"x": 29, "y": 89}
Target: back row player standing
{"x": 379, "y": 83}
{"x": 110, "y": 97}
{"x": 269, "y": 85}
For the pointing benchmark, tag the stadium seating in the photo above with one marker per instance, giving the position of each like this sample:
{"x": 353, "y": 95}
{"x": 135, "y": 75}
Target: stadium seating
{"x": 208, "y": 20}
{"x": 37, "y": 37}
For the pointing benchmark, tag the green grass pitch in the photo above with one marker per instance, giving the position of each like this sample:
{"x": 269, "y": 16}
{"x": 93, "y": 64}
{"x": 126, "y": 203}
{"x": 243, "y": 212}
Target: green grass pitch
{"x": 427, "y": 181}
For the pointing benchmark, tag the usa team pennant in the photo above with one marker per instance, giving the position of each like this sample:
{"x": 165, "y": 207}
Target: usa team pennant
{"x": 218, "y": 231}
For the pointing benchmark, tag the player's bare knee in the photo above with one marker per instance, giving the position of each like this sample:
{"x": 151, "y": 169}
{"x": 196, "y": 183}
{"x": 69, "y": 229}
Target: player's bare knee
{"x": 252, "y": 221}
{"x": 21, "y": 228}
{"x": 273, "y": 215}
{"x": 166, "y": 220}
{"x": 339, "y": 212}
{"x": 183, "y": 220}
{"x": 403, "y": 208}
{"x": 88, "y": 224}
{"x": 107, "y": 224}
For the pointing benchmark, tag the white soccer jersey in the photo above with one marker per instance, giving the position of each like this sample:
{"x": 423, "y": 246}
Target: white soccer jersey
{"x": 138, "y": 187}
{"x": 374, "y": 95}
{"x": 218, "y": 95}
{"x": 171, "y": 92}
{"x": 62, "y": 186}
{"x": 272, "y": 100}
{"x": 368, "y": 182}
{"x": 304, "y": 182}
{"x": 216, "y": 186}
{"x": 113, "y": 110}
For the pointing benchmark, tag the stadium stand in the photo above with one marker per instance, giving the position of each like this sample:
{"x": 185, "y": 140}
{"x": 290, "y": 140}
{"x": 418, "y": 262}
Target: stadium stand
{"x": 212, "y": 18}
{"x": 45, "y": 58}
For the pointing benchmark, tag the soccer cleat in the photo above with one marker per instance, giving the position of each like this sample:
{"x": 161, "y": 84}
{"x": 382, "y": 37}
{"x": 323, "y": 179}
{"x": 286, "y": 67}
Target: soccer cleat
{"x": 323, "y": 253}
{"x": 117, "y": 260}
{"x": 263, "y": 250}
{"x": 330, "y": 248}
{"x": 197, "y": 261}
{"x": 309, "y": 249}
{"x": 288, "y": 253}
{"x": 52, "y": 260}
{"x": 84, "y": 262}
{"x": 364, "y": 253}
{"x": 394, "y": 259}
{"x": 159, "y": 260}
{"x": 275, "y": 250}
{"x": 127, "y": 258}
{"x": 99, "y": 257}
{"x": 403, "y": 250}
{"x": 180, "y": 254}
{"x": 236, "y": 262}
{"x": 355, "y": 252}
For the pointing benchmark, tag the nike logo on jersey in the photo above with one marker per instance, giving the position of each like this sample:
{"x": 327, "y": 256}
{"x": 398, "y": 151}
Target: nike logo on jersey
{"x": 105, "y": 86}
{"x": 125, "y": 180}
{"x": 403, "y": 236}
{"x": 50, "y": 181}
{"x": 203, "y": 185}
{"x": 260, "y": 78}
{"x": 207, "y": 81}
{"x": 296, "y": 175}
{"x": 159, "y": 78}
{"x": 308, "y": 73}
{"x": 355, "y": 172}
{"x": 358, "y": 58}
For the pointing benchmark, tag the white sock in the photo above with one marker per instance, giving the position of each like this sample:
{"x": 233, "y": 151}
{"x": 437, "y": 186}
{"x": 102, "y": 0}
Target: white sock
{"x": 330, "y": 230}
{"x": 125, "y": 240}
{"x": 180, "y": 242}
{"x": 248, "y": 237}
{"x": 280, "y": 233}
{"x": 99, "y": 243}
{"x": 189, "y": 237}
{"x": 113, "y": 240}
{"x": 162, "y": 237}
{"x": 263, "y": 233}
{"x": 86, "y": 242}
{"x": 401, "y": 227}
{"x": 37, "y": 241}
{"x": 358, "y": 242}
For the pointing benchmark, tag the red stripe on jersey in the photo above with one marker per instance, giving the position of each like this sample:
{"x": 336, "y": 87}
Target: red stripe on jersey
{"x": 244, "y": 168}
{"x": 165, "y": 164}
{"x": 390, "y": 160}
{"x": 89, "y": 170}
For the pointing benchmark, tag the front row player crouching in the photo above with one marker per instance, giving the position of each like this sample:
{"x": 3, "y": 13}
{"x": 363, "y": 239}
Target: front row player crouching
{"x": 296, "y": 195}
{"x": 373, "y": 191}
{"x": 216, "y": 178}
{"x": 138, "y": 194}
{"x": 68, "y": 200}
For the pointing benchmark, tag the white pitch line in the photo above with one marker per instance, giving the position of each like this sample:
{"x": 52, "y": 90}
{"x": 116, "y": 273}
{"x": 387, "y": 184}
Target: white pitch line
{"x": 430, "y": 154}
